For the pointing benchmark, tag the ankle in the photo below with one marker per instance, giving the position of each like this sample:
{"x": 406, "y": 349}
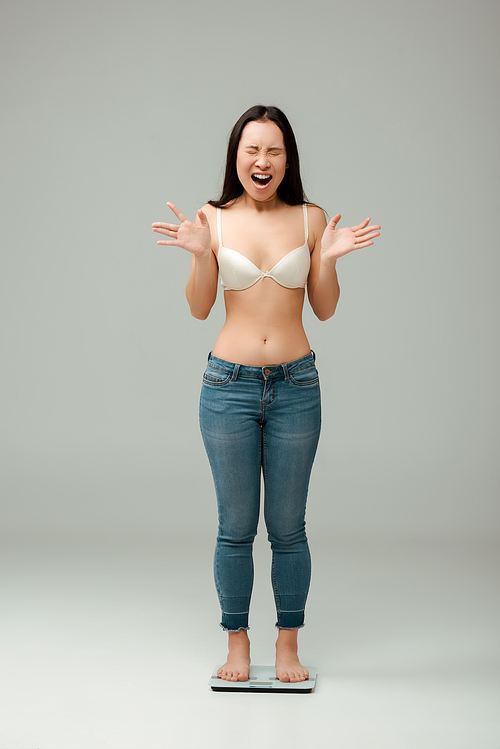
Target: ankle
{"x": 287, "y": 640}
{"x": 238, "y": 638}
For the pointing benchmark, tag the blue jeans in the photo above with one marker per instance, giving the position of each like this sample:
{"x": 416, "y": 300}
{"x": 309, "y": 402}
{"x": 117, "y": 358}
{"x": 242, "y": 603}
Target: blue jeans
{"x": 261, "y": 420}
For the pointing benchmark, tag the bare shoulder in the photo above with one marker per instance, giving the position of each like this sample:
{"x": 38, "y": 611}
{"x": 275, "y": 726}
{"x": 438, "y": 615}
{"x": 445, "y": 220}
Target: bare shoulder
{"x": 315, "y": 213}
{"x": 317, "y": 221}
{"x": 208, "y": 210}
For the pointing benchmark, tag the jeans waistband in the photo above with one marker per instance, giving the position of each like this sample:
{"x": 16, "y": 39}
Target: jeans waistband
{"x": 271, "y": 371}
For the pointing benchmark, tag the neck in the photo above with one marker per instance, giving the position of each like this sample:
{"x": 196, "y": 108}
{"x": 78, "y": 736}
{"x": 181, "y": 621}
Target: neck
{"x": 267, "y": 204}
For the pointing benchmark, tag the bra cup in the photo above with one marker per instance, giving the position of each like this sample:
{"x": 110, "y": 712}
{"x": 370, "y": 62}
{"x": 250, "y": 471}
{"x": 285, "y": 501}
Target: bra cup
{"x": 293, "y": 268}
{"x": 238, "y": 272}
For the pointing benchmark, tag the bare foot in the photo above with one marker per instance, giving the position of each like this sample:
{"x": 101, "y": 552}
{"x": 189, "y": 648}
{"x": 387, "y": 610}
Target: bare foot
{"x": 237, "y": 667}
{"x": 288, "y": 666}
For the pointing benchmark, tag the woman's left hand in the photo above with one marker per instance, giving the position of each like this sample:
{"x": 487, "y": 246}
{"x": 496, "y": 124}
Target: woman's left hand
{"x": 337, "y": 242}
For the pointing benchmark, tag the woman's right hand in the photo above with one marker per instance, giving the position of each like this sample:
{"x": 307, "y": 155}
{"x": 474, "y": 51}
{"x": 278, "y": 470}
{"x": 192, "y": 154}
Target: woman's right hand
{"x": 195, "y": 238}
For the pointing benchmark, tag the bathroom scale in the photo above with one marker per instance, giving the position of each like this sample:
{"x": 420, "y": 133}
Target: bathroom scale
{"x": 263, "y": 679}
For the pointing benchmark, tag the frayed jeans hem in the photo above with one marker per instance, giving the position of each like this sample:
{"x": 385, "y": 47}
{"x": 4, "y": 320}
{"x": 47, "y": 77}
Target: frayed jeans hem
{"x": 226, "y": 629}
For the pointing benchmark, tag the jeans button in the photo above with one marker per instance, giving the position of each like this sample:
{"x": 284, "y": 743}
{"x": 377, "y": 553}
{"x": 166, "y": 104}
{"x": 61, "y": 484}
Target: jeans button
{"x": 267, "y": 371}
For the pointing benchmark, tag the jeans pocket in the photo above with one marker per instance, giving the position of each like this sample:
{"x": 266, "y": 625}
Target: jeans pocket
{"x": 215, "y": 376}
{"x": 306, "y": 376}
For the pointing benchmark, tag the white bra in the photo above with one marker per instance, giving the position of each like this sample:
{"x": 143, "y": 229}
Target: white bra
{"x": 237, "y": 272}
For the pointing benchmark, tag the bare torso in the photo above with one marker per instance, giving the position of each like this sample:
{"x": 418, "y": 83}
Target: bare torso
{"x": 263, "y": 325}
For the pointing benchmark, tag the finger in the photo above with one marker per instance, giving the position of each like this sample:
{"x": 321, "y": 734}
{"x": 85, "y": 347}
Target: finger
{"x": 160, "y": 225}
{"x": 360, "y": 226}
{"x": 166, "y": 232}
{"x": 164, "y": 228}
{"x": 367, "y": 235}
{"x": 202, "y": 217}
{"x": 362, "y": 244}
{"x": 334, "y": 221}
{"x": 170, "y": 242}
{"x": 177, "y": 212}
{"x": 372, "y": 235}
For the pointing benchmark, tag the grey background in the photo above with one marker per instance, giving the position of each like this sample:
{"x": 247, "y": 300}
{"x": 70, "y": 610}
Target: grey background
{"x": 112, "y": 109}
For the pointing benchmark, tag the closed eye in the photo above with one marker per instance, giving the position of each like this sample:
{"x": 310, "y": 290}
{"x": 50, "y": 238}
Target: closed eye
{"x": 270, "y": 152}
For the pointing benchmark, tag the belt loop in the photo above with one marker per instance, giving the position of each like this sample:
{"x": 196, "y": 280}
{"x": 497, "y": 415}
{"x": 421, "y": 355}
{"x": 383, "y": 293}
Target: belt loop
{"x": 314, "y": 355}
{"x": 209, "y": 355}
{"x": 236, "y": 371}
{"x": 285, "y": 372}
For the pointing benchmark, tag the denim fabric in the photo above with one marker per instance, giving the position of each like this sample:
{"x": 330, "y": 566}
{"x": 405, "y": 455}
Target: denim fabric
{"x": 261, "y": 421}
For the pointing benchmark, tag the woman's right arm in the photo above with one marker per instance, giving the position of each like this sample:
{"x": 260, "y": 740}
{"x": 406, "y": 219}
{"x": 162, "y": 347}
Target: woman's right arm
{"x": 201, "y": 288}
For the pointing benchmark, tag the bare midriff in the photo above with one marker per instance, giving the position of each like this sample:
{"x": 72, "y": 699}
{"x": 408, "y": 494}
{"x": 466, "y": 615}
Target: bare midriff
{"x": 263, "y": 325}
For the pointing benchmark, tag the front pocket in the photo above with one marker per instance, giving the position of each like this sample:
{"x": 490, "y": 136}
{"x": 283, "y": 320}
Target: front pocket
{"x": 307, "y": 376}
{"x": 214, "y": 376}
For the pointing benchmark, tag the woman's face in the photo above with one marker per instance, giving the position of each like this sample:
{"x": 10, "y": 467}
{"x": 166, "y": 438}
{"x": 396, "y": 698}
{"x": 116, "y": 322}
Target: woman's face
{"x": 261, "y": 159}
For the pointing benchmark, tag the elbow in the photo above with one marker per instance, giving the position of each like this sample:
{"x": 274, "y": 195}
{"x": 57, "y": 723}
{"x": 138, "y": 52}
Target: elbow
{"x": 323, "y": 317}
{"x": 324, "y": 306}
{"x": 199, "y": 315}
{"x": 200, "y": 309}
{"x": 201, "y": 299}
{"x": 325, "y": 314}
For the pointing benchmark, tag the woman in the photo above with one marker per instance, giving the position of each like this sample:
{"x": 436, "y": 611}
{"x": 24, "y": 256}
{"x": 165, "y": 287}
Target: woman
{"x": 260, "y": 400}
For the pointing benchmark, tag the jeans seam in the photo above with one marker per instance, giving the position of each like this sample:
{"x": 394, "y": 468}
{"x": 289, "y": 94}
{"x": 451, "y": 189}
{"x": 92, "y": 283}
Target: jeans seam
{"x": 216, "y": 574}
{"x": 306, "y": 365}
{"x": 273, "y": 572}
{"x": 304, "y": 384}
{"x": 291, "y": 611}
{"x": 217, "y": 383}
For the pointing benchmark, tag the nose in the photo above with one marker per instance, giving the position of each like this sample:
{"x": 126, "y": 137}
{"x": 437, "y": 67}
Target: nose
{"x": 262, "y": 160}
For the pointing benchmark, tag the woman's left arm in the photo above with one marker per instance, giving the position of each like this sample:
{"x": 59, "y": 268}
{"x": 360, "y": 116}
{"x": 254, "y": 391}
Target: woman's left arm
{"x": 331, "y": 243}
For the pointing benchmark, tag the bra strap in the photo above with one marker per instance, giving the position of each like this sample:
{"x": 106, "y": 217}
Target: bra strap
{"x": 306, "y": 225}
{"x": 219, "y": 225}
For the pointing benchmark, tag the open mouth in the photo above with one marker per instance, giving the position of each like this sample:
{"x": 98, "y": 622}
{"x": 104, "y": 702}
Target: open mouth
{"x": 261, "y": 180}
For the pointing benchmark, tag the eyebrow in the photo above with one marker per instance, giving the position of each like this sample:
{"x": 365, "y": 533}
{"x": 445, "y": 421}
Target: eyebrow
{"x": 273, "y": 148}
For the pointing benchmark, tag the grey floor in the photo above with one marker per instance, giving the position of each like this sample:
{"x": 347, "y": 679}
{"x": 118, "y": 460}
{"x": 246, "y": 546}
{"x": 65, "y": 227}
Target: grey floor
{"x": 111, "y": 644}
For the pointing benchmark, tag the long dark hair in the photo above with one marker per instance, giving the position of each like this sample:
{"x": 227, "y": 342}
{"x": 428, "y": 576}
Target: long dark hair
{"x": 290, "y": 190}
